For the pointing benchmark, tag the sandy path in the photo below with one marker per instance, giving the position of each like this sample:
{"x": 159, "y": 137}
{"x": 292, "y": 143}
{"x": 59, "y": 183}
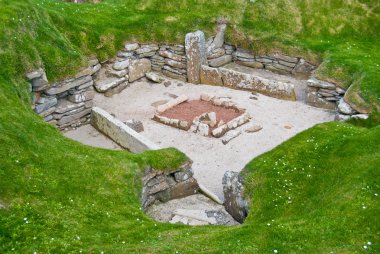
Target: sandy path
{"x": 212, "y": 158}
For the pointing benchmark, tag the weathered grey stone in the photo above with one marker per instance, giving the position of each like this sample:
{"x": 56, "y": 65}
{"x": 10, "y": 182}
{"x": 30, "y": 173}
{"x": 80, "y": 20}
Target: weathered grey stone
{"x": 238, "y": 121}
{"x": 220, "y": 131}
{"x": 303, "y": 68}
{"x": 38, "y": 80}
{"x": 285, "y": 58}
{"x": 209, "y": 118}
{"x": 147, "y": 50}
{"x": 119, "y": 132}
{"x": 68, "y": 84}
{"x": 64, "y": 106}
{"x": 35, "y": 74}
{"x": 243, "y": 55}
{"x": 203, "y": 129}
{"x": 340, "y": 91}
{"x": 48, "y": 118}
{"x": 264, "y": 60}
{"x": 314, "y": 100}
{"x": 71, "y": 118}
{"x": 275, "y": 67}
{"x": 360, "y": 116}
{"x": 85, "y": 85}
{"x": 121, "y": 65}
{"x": 218, "y": 40}
{"x": 235, "y": 202}
{"x": 196, "y": 55}
{"x": 342, "y": 118}
{"x": 287, "y": 64}
{"x": 230, "y": 136}
{"x": 153, "y": 77}
{"x": 211, "y": 76}
{"x": 172, "y": 103}
{"x": 252, "y": 64}
{"x": 45, "y": 104}
{"x": 251, "y": 82}
{"x": 345, "y": 108}
{"x": 254, "y": 128}
{"x": 183, "y": 175}
{"x": 180, "y": 190}
{"x": 216, "y": 53}
{"x": 173, "y": 75}
{"x": 68, "y": 113}
{"x": 135, "y": 125}
{"x": 47, "y": 112}
{"x": 103, "y": 86}
{"x": 131, "y": 46}
{"x": 138, "y": 69}
{"x": 175, "y": 70}
{"x": 173, "y": 56}
{"x": 175, "y": 64}
{"x": 220, "y": 61}
{"x": 118, "y": 74}
{"x": 156, "y": 68}
{"x": 91, "y": 70}
{"x": 320, "y": 84}
{"x": 158, "y": 59}
{"x": 82, "y": 97}
{"x": 125, "y": 55}
{"x": 116, "y": 90}
{"x": 331, "y": 98}
{"x": 327, "y": 91}
{"x": 200, "y": 217}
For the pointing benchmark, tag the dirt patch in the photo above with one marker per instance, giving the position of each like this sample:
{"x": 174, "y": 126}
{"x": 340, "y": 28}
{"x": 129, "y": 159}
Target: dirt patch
{"x": 189, "y": 110}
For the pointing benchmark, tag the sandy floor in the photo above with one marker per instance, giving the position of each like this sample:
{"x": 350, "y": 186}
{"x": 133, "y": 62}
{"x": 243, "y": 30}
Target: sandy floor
{"x": 88, "y": 135}
{"x": 211, "y": 158}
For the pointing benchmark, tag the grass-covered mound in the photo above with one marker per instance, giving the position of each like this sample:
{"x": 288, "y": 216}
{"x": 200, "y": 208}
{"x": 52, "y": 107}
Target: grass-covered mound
{"x": 316, "y": 193}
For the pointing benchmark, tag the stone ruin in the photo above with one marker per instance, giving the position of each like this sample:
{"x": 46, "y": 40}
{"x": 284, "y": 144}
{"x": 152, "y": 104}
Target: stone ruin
{"x": 68, "y": 103}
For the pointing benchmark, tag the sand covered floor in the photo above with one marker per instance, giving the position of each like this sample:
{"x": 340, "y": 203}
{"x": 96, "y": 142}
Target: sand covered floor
{"x": 280, "y": 121}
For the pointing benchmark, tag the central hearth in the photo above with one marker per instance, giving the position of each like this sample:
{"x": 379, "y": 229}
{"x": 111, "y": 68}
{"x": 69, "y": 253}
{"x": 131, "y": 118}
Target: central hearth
{"x": 210, "y": 116}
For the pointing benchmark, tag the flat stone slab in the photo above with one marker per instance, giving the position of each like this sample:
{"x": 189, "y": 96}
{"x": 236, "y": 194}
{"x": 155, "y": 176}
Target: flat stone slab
{"x": 103, "y": 86}
{"x": 119, "y": 132}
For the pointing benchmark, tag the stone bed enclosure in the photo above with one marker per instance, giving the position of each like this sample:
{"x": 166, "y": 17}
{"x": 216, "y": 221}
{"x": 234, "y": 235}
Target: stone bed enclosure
{"x": 69, "y": 103}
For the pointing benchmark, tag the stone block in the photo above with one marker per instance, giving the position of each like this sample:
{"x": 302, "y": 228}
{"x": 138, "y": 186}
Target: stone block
{"x": 211, "y": 76}
{"x": 138, "y": 69}
{"x": 220, "y": 61}
{"x": 120, "y": 133}
{"x": 196, "y": 55}
{"x": 235, "y": 202}
{"x": 273, "y": 88}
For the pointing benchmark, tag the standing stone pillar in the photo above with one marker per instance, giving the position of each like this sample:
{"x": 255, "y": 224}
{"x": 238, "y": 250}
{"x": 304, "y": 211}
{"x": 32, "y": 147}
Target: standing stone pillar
{"x": 195, "y": 46}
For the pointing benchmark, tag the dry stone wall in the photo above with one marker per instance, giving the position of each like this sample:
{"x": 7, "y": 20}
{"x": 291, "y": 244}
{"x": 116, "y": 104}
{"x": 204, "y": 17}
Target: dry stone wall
{"x": 165, "y": 186}
{"x": 67, "y": 104}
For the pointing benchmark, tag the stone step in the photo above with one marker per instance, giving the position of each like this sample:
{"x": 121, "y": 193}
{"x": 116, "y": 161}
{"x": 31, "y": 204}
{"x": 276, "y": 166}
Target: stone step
{"x": 196, "y": 217}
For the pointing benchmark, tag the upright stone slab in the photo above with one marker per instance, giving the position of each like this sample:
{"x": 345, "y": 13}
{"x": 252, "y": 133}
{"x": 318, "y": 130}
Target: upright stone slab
{"x": 195, "y": 46}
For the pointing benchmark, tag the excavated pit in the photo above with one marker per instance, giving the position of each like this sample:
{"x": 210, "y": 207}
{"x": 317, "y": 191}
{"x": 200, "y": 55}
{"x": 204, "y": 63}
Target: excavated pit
{"x": 279, "y": 119}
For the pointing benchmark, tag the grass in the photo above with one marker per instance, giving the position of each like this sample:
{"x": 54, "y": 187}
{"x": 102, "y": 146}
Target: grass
{"x": 64, "y": 197}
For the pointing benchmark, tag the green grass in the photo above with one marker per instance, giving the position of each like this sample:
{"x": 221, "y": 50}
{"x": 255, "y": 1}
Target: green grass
{"x": 78, "y": 198}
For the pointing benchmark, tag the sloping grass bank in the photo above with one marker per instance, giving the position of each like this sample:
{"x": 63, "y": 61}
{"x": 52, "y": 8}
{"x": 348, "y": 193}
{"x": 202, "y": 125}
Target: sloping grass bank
{"x": 316, "y": 193}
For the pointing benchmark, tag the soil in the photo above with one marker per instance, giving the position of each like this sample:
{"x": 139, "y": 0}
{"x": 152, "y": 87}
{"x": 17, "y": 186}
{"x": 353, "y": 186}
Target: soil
{"x": 191, "y": 109}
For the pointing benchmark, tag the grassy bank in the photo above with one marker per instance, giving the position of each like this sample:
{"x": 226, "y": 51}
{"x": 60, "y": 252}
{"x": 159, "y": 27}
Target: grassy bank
{"x": 316, "y": 193}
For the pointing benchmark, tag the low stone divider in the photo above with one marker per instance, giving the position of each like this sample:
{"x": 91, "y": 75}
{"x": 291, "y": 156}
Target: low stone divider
{"x": 120, "y": 132}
